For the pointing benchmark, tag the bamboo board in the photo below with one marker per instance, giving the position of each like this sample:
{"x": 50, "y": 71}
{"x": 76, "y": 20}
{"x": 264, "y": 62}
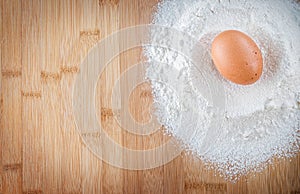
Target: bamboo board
{"x": 42, "y": 46}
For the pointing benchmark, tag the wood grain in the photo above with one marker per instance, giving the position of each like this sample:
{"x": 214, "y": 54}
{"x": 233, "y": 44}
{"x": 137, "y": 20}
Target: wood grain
{"x": 42, "y": 46}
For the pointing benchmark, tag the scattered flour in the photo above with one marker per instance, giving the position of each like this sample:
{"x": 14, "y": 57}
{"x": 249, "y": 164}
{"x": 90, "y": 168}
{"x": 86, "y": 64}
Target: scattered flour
{"x": 261, "y": 121}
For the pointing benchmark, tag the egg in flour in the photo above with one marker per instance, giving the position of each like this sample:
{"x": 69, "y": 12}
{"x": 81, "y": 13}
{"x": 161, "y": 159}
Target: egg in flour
{"x": 237, "y": 57}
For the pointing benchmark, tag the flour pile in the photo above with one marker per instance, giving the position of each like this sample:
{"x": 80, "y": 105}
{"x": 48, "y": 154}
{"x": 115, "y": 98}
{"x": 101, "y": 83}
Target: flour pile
{"x": 260, "y": 121}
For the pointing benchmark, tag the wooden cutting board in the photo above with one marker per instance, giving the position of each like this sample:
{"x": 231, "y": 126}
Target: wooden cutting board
{"x": 42, "y": 46}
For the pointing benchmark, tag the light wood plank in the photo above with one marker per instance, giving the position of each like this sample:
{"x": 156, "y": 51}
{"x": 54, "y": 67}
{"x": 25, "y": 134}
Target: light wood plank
{"x": 31, "y": 95}
{"x": 33, "y": 147}
{"x": 52, "y": 137}
{"x": 69, "y": 67}
{"x": 11, "y": 134}
{"x": 11, "y": 121}
{"x": 11, "y": 31}
{"x": 51, "y": 91}
{"x": 31, "y": 45}
{"x": 71, "y": 145}
{"x": 108, "y": 22}
{"x": 1, "y": 102}
{"x": 12, "y": 181}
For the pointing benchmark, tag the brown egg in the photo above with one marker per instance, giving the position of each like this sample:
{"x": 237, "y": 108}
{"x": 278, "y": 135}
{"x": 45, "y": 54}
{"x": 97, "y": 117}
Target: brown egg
{"x": 237, "y": 57}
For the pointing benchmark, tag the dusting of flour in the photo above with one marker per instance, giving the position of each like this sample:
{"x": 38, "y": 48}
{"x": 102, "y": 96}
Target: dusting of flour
{"x": 262, "y": 120}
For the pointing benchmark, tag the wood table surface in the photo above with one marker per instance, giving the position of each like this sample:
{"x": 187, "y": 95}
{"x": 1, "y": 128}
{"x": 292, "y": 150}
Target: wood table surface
{"x": 43, "y": 43}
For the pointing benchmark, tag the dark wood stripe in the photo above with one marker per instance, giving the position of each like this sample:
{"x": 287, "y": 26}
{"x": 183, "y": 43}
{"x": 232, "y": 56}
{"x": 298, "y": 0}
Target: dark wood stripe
{"x": 34, "y": 94}
{"x": 50, "y": 76}
{"x": 146, "y": 94}
{"x": 91, "y": 134}
{"x": 33, "y": 192}
{"x": 11, "y": 73}
{"x": 106, "y": 112}
{"x": 12, "y": 166}
{"x": 69, "y": 69}
{"x": 90, "y": 33}
{"x": 206, "y": 186}
{"x": 108, "y": 2}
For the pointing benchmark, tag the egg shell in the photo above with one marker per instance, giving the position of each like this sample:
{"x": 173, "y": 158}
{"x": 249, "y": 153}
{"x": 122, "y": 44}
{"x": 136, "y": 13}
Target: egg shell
{"x": 237, "y": 57}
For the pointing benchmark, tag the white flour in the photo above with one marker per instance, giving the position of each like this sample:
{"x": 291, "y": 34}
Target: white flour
{"x": 262, "y": 121}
